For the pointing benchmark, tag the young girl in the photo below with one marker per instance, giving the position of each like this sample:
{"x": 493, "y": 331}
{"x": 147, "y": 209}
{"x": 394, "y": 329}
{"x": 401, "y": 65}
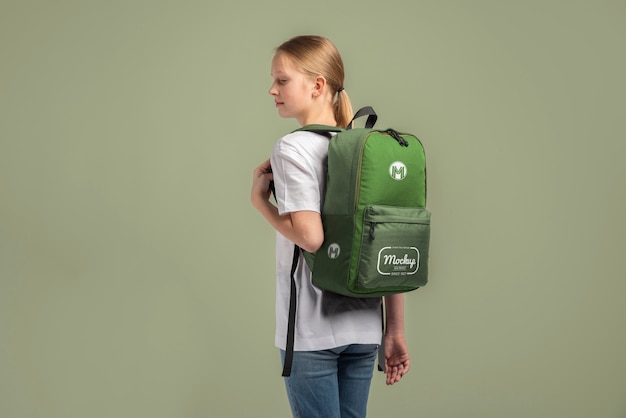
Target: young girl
{"x": 337, "y": 337}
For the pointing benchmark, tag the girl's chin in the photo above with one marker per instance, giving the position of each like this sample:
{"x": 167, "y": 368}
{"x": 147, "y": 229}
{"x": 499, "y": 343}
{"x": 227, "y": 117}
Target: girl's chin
{"x": 283, "y": 112}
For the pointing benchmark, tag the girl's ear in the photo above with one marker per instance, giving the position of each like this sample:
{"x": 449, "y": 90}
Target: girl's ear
{"x": 319, "y": 87}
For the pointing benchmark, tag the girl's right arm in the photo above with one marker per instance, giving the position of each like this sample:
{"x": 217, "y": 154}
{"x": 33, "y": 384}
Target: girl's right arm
{"x": 303, "y": 228}
{"x": 397, "y": 360}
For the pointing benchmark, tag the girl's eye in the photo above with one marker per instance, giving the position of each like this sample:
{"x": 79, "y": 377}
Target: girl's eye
{"x": 282, "y": 81}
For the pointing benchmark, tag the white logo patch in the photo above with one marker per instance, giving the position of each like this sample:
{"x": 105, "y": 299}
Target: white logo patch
{"x": 398, "y": 261}
{"x": 333, "y": 251}
{"x": 397, "y": 170}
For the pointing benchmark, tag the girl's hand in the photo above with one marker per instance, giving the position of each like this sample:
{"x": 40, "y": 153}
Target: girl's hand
{"x": 397, "y": 362}
{"x": 261, "y": 178}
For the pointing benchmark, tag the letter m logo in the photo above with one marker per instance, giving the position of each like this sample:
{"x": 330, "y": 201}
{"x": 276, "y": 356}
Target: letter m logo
{"x": 333, "y": 251}
{"x": 397, "y": 170}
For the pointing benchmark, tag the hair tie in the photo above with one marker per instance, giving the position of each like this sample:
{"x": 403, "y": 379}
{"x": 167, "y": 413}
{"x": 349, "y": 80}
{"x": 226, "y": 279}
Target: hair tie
{"x": 340, "y": 89}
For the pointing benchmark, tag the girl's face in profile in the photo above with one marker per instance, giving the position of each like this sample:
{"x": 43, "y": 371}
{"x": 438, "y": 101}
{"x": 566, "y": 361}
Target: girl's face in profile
{"x": 292, "y": 90}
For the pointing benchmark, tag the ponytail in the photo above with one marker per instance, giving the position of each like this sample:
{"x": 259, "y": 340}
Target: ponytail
{"x": 342, "y": 107}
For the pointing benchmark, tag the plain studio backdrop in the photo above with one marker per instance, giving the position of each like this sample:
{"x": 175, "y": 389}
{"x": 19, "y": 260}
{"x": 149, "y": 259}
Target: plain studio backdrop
{"x": 136, "y": 280}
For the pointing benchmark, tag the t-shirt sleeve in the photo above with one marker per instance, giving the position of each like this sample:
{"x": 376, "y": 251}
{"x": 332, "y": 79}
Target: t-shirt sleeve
{"x": 296, "y": 176}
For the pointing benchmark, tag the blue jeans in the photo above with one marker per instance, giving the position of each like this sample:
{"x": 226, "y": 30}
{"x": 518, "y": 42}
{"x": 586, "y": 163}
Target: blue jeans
{"x": 331, "y": 383}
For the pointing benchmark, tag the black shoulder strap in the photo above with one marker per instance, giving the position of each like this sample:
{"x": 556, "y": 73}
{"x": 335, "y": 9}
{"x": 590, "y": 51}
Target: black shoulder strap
{"x": 291, "y": 324}
{"x": 324, "y": 130}
{"x": 368, "y": 111}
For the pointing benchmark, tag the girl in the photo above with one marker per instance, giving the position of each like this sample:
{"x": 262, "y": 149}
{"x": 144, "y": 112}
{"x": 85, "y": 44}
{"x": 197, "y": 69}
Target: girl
{"x": 337, "y": 337}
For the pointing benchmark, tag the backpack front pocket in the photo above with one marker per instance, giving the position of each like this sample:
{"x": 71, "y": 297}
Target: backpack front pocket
{"x": 393, "y": 257}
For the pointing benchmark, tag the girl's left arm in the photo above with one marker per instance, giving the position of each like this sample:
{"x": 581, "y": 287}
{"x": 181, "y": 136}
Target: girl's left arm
{"x": 303, "y": 228}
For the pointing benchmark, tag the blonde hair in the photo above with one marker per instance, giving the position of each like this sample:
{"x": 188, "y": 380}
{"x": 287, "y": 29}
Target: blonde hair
{"x": 318, "y": 56}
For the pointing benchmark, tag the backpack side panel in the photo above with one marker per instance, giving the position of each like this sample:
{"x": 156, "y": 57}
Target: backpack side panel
{"x": 332, "y": 260}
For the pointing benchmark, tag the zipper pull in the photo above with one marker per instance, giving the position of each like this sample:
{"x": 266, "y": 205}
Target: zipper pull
{"x": 395, "y": 135}
{"x": 372, "y": 226}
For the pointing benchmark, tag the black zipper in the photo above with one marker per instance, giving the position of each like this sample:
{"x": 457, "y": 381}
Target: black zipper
{"x": 395, "y": 135}
{"x": 372, "y": 226}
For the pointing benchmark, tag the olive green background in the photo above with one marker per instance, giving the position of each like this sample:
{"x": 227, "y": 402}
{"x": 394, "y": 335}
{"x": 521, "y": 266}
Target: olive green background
{"x": 137, "y": 281}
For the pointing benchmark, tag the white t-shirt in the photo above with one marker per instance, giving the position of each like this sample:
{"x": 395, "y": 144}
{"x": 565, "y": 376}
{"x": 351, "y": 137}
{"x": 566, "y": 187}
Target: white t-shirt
{"x": 324, "y": 320}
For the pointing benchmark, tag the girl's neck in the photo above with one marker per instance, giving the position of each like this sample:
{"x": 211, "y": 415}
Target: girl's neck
{"x": 324, "y": 116}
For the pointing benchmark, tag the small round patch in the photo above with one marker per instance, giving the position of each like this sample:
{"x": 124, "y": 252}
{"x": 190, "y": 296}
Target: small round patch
{"x": 333, "y": 251}
{"x": 397, "y": 170}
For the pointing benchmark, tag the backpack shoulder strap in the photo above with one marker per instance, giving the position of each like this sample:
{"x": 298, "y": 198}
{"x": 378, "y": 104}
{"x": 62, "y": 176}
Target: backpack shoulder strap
{"x": 324, "y": 130}
{"x": 368, "y": 111}
{"x": 291, "y": 324}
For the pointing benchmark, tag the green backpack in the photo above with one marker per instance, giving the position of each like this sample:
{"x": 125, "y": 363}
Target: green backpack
{"x": 376, "y": 227}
